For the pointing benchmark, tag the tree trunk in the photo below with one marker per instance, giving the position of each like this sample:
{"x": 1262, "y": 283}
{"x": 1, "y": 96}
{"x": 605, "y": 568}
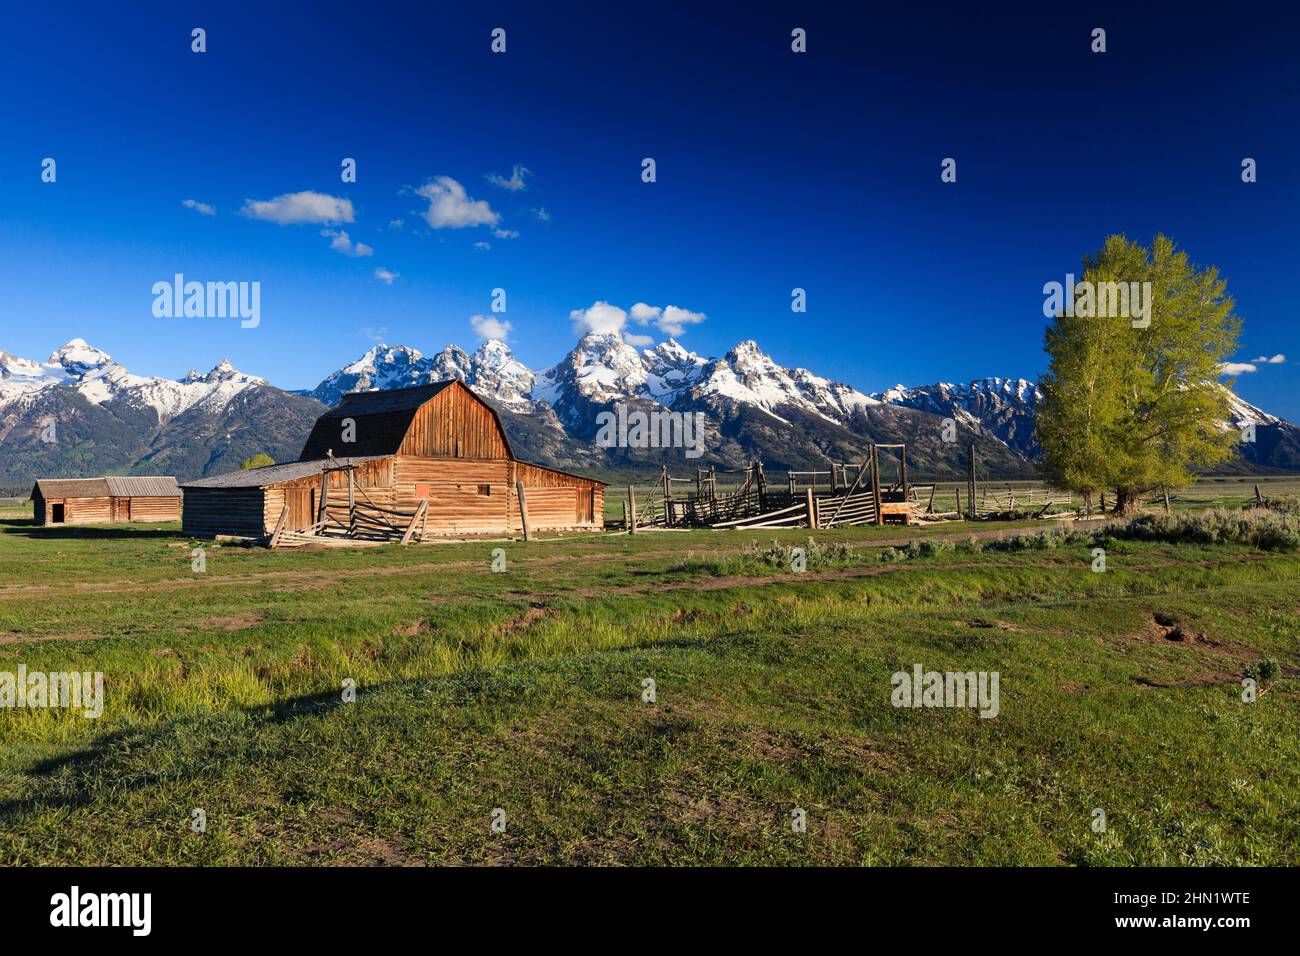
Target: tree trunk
{"x": 1126, "y": 501}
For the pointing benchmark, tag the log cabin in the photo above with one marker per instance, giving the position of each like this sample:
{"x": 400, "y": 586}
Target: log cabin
{"x": 112, "y": 500}
{"x": 380, "y": 461}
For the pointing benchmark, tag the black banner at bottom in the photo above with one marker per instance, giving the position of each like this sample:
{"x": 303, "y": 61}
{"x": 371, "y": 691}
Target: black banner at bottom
{"x": 336, "y": 905}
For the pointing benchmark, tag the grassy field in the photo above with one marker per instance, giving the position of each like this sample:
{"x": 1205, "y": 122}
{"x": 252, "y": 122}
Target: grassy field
{"x": 523, "y": 691}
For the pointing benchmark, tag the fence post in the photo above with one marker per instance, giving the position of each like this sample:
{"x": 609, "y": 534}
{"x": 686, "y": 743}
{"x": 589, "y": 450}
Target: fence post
{"x": 875, "y": 483}
{"x": 523, "y": 507}
{"x": 970, "y": 485}
{"x": 812, "y": 510}
{"x": 631, "y": 508}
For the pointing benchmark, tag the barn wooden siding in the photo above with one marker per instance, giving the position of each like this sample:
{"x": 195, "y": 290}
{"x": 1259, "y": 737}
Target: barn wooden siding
{"x": 146, "y": 509}
{"x": 465, "y": 497}
{"x": 557, "y": 500}
{"x": 302, "y": 495}
{"x": 76, "y": 510}
{"x": 455, "y": 424}
{"x": 210, "y": 511}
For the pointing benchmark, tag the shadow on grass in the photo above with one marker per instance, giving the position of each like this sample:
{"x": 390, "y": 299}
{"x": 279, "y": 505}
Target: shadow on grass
{"x": 112, "y": 761}
{"x": 27, "y": 528}
{"x": 90, "y": 766}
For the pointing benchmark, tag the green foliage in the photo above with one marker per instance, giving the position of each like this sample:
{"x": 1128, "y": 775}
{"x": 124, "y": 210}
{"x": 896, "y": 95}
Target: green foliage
{"x": 1285, "y": 504}
{"x": 260, "y": 460}
{"x": 1137, "y": 409}
{"x": 1264, "y": 671}
{"x": 1259, "y": 528}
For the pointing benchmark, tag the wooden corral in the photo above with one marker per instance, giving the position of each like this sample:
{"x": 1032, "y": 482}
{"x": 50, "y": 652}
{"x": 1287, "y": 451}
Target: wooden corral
{"x": 111, "y": 500}
{"x": 851, "y": 493}
{"x": 412, "y": 463}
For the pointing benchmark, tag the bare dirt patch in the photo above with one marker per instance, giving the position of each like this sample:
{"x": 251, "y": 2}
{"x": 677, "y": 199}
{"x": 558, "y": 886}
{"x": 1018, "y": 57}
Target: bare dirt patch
{"x": 231, "y": 622}
{"x": 1221, "y": 662}
{"x": 999, "y": 625}
{"x": 529, "y": 617}
{"x": 13, "y": 638}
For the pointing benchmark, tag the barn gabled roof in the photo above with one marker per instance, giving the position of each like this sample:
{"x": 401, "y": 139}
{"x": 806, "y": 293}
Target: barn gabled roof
{"x": 71, "y": 487}
{"x": 272, "y": 474}
{"x": 390, "y": 413}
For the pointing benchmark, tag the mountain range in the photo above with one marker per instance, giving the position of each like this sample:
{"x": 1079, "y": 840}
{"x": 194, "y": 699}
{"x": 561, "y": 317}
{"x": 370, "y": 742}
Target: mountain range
{"x": 81, "y": 413}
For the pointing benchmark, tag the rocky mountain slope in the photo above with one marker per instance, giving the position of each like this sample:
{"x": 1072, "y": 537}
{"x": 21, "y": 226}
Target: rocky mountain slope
{"x": 81, "y": 413}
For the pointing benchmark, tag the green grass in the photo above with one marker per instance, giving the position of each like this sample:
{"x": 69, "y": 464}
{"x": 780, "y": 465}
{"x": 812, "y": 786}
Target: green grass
{"x": 522, "y": 690}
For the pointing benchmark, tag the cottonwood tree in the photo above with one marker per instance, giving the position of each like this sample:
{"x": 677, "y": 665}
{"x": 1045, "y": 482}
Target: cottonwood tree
{"x": 1139, "y": 409}
{"x": 260, "y": 460}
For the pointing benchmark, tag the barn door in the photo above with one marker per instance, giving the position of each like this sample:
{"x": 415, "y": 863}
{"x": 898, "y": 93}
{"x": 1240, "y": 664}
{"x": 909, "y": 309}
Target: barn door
{"x": 302, "y": 511}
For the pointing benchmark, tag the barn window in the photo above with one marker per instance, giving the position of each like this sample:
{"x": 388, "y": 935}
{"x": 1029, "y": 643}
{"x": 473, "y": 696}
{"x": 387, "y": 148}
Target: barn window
{"x": 56, "y": 514}
{"x": 485, "y": 490}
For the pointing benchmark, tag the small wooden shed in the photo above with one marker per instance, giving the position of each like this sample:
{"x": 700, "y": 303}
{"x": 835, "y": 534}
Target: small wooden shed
{"x": 111, "y": 500}
{"x": 380, "y": 460}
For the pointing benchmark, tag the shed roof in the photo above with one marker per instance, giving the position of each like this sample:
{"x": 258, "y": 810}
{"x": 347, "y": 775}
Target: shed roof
{"x": 71, "y": 487}
{"x": 272, "y": 474}
{"x": 143, "y": 486}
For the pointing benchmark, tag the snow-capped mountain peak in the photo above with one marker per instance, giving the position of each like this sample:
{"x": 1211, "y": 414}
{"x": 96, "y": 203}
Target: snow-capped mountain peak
{"x": 496, "y": 373}
{"x": 492, "y": 370}
{"x": 1003, "y": 408}
{"x": 749, "y": 376}
{"x": 223, "y": 371}
{"x": 92, "y": 374}
{"x": 79, "y": 358}
{"x": 380, "y": 367}
{"x": 670, "y": 370}
{"x": 600, "y": 368}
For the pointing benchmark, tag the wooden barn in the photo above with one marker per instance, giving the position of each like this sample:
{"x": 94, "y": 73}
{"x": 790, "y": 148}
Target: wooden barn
{"x": 114, "y": 500}
{"x": 432, "y": 460}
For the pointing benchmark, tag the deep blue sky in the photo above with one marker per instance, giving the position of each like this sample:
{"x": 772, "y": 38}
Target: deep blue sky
{"x": 774, "y": 170}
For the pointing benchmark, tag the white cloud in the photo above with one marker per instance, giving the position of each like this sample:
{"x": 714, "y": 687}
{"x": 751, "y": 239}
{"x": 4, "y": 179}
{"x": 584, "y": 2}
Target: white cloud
{"x": 375, "y": 334}
{"x": 1275, "y": 360}
{"x": 542, "y": 215}
{"x": 300, "y": 207}
{"x": 384, "y": 276}
{"x": 644, "y": 314}
{"x": 632, "y": 338}
{"x": 515, "y": 183}
{"x": 601, "y": 318}
{"x": 482, "y": 246}
{"x": 487, "y": 327}
{"x": 505, "y": 233}
{"x": 342, "y": 243}
{"x": 199, "y": 207}
{"x": 1236, "y": 368}
{"x": 396, "y": 223}
{"x": 451, "y": 208}
{"x": 675, "y": 320}
{"x": 670, "y": 320}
